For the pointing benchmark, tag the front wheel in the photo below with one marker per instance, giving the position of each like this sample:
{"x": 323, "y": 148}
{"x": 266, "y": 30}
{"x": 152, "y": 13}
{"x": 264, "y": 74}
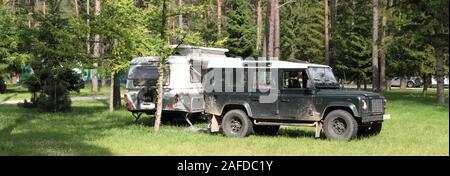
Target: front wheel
{"x": 340, "y": 125}
{"x": 236, "y": 123}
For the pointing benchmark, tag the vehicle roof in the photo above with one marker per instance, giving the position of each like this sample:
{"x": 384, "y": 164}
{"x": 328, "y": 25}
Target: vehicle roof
{"x": 144, "y": 60}
{"x": 189, "y": 49}
{"x": 260, "y": 64}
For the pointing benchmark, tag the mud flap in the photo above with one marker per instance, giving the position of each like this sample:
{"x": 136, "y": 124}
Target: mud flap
{"x": 318, "y": 126}
{"x": 214, "y": 124}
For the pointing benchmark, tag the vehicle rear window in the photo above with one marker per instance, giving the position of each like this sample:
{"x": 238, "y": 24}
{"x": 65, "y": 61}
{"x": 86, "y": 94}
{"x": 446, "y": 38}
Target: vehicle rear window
{"x": 143, "y": 73}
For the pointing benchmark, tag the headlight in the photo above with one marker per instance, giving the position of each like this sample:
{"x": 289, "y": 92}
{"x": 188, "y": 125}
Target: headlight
{"x": 364, "y": 105}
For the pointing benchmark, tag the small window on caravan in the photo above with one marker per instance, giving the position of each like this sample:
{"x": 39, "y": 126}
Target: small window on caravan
{"x": 195, "y": 75}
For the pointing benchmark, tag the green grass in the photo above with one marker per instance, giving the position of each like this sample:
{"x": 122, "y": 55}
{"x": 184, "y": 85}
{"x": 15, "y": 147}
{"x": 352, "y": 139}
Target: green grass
{"x": 418, "y": 127}
{"x": 17, "y": 92}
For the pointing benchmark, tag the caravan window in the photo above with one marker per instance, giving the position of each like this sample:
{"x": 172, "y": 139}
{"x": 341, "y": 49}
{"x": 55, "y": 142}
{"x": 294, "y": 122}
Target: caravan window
{"x": 195, "y": 75}
{"x": 143, "y": 73}
{"x": 146, "y": 76}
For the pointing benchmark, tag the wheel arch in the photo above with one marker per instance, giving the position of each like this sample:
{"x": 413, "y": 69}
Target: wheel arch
{"x": 349, "y": 107}
{"x": 242, "y": 106}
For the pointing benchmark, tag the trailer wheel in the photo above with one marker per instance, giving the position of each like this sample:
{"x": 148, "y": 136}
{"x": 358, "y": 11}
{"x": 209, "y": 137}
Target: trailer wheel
{"x": 340, "y": 125}
{"x": 236, "y": 123}
{"x": 266, "y": 129}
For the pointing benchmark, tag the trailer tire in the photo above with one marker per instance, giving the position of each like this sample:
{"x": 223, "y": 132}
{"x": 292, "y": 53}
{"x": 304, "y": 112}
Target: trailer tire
{"x": 340, "y": 125}
{"x": 235, "y": 123}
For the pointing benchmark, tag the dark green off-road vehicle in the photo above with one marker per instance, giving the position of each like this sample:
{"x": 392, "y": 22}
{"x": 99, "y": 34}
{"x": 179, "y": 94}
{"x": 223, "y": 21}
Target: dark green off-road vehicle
{"x": 260, "y": 96}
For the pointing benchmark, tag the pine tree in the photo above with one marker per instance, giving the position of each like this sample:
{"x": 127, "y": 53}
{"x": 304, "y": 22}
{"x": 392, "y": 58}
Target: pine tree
{"x": 240, "y": 28}
{"x": 302, "y": 33}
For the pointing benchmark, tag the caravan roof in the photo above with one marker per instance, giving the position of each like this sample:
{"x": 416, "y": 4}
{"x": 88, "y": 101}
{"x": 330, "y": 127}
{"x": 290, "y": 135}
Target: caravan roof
{"x": 259, "y": 64}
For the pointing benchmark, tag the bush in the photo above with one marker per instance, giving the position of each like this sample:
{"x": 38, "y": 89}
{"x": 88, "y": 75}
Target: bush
{"x": 34, "y": 86}
{"x": 53, "y": 91}
{"x": 55, "y": 97}
{"x": 73, "y": 80}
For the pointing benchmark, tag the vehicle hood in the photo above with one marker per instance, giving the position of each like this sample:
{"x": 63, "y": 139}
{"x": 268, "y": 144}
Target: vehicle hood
{"x": 345, "y": 92}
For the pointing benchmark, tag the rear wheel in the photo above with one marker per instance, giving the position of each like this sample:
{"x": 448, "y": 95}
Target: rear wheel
{"x": 340, "y": 125}
{"x": 266, "y": 129}
{"x": 236, "y": 123}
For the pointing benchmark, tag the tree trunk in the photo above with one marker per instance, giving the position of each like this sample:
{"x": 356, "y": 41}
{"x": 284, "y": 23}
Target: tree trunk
{"x": 180, "y": 17}
{"x": 96, "y": 50}
{"x": 111, "y": 94}
{"x": 219, "y": 16}
{"x": 365, "y": 84}
{"x": 440, "y": 75}
{"x": 259, "y": 25}
{"x": 333, "y": 31}
{"x": 270, "y": 18}
{"x": 76, "y": 8}
{"x": 44, "y": 8}
{"x": 358, "y": 84}
{"x": 31, "y": 4}
{"x": 426, "y": 84}
{"x": 388, "y": 85}
{"x": 327, "y": 35}
{"x": 276, "y": 44}
{"x": 403, "y": 82}
{"x": 103, "y": 76}
{"x": 382, "y": 51}
{"x": 160, "y": 83}
{"x": 88, "y": 35}
{"x": 116, "y": 96}
{"x": 375, "y": 68}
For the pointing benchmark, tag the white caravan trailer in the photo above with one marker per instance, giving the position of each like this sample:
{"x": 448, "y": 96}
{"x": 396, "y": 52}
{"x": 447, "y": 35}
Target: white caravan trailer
{"x": 183, "y": 91}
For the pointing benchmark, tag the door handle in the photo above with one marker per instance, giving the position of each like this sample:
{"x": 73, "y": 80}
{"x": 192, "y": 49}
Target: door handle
{"x": 255, "y": 99}
{"x": 285, "y": 100}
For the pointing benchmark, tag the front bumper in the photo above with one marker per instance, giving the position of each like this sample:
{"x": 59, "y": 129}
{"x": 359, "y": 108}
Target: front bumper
{"x": 375, "y": 118}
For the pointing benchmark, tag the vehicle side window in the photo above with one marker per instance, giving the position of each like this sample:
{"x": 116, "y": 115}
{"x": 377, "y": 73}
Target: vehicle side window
{"x": 166, "y": 80}
{"x": 294, "y": 79}
{"x": 196, "y": 76}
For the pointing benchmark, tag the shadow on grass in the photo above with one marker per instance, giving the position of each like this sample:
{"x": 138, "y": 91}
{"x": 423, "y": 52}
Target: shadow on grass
{"x": 296, "y": 133}
{"x": 9, "y": 97}
{"x": 29, "y": 132}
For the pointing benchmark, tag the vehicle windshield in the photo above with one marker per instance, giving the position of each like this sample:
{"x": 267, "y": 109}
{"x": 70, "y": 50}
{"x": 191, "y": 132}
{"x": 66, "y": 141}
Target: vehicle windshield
{"x": 323, "y": 77}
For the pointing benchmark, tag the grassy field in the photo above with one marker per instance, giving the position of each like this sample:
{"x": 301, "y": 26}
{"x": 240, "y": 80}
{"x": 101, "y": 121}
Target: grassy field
{"x": 17, "y": 92}
{"x": 418, "y": 127}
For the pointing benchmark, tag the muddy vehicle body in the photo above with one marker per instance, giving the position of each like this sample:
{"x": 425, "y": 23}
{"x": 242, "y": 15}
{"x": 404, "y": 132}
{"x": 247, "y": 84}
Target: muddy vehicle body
{"x": 302, "y": 94}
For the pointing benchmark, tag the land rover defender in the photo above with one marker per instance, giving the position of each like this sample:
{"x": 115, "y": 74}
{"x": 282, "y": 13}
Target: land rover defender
{"x": 294, "y": 93}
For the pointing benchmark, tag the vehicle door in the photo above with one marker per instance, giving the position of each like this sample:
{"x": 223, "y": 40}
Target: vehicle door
{"x": 261, "y": 86}
{"x": 295, "y": 99}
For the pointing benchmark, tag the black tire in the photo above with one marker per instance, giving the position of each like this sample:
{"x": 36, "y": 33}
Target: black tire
{"x": 340, "y": 125}
{"x": 410, "y": 84}
{"x": 266, "y": 129}
{"x": 236, "y": 123}
{"x": 371, "y": 130}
